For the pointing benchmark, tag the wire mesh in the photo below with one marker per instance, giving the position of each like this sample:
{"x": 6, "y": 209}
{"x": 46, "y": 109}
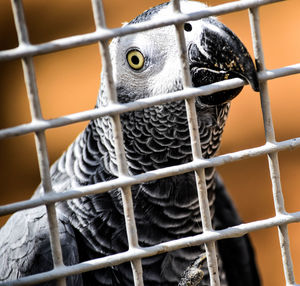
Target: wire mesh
{"x": 135, "y": 253}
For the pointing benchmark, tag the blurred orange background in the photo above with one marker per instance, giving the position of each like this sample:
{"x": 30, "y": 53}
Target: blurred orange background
{"x": 68, "y": 82}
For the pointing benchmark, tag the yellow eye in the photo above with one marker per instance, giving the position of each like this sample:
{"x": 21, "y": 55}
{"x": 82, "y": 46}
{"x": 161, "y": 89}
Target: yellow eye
{"x": 135, "y": 59}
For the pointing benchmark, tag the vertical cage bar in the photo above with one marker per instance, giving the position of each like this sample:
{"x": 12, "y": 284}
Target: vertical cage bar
{"x": 40, "y": 139}
{"x": 272, "y": 157}
{"x": 131, "y": 229}
{"x": 197, "y": 152}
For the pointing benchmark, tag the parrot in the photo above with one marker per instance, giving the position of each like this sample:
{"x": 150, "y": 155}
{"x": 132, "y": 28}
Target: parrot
{"x": 144, "y": 65}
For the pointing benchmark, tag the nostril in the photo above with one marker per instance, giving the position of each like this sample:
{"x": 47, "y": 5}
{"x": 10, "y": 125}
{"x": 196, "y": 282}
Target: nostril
{"x": 187, "y": 27}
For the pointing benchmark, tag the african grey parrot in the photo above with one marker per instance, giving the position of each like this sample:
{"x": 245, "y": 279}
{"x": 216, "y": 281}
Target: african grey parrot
{"x": 144, "y": 65}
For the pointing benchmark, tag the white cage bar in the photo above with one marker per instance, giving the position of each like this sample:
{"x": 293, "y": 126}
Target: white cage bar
{"x": 142, "y": 103}
{"x": 131, "y": 230}
{"x": 40, "y": 139}
{"x": 191, "y": 113}
{"x": 273, "y": 156}
{"x": 135, "y": 253}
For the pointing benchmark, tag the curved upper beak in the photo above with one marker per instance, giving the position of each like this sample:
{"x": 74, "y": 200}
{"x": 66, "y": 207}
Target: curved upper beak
{"x": 220, "y": 55}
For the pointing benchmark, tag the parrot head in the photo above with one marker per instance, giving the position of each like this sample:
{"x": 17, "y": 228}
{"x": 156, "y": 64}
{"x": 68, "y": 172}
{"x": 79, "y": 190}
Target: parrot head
{"x": 148, "y": 64}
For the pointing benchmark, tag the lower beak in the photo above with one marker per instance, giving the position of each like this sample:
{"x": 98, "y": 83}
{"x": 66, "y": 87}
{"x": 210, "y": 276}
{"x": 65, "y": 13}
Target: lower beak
{"x": 220, "y": 55}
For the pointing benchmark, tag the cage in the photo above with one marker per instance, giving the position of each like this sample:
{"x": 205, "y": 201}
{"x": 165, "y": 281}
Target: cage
{"x": 255, "y": 143}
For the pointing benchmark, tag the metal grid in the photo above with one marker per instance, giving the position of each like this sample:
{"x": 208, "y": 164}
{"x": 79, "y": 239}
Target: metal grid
{"x": 135, "y": 253}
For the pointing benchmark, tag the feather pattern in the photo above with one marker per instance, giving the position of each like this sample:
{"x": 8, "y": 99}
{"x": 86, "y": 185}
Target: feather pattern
{"x": 165, "y": 209}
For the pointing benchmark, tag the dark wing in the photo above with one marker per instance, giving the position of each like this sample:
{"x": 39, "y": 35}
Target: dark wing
{"x": 236, "y": 253}
{"x": 25, "y": 247}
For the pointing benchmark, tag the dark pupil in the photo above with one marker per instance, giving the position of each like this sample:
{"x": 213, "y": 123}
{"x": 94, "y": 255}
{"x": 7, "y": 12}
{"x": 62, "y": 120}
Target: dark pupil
{"x": 187, "y": 27}
{"x": 135, "y": 60}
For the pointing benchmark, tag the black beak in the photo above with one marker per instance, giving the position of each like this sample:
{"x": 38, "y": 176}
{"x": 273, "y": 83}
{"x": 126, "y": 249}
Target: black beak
{"x": 221, "y": 56}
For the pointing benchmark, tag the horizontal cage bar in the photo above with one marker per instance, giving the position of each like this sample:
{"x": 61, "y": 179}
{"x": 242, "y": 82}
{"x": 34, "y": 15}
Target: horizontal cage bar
{"x": 38, "y": 125}
{"x": 152, "y": 175}
{"x": 143, "y": 252}
{"x": 105, "y": 34}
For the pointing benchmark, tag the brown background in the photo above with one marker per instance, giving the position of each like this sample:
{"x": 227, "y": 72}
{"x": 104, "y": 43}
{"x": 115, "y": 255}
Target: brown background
{"x": 68, "y": 82}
